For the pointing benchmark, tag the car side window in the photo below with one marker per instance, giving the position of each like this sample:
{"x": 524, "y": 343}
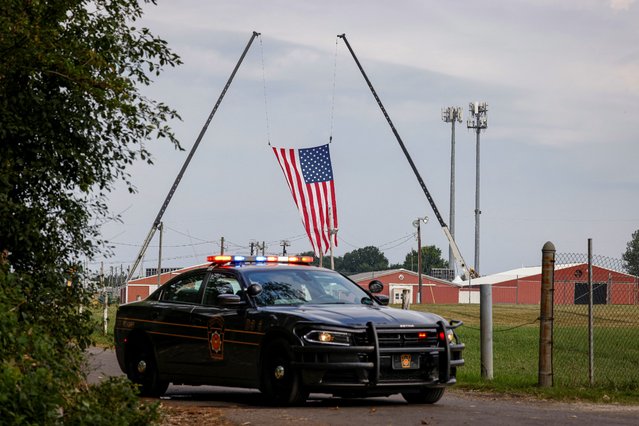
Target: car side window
{"x": 186, "y": 290}
{"x": 220, "y": 284}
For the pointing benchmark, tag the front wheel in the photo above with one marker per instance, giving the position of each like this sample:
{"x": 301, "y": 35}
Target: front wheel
{"x": 142, "y": 370}
{"x": 281, "y": 383}
{"x": 424, "y": 396}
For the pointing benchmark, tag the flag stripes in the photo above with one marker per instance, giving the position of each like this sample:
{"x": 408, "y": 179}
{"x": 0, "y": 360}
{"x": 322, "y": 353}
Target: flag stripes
{"x": 309, "y": 175}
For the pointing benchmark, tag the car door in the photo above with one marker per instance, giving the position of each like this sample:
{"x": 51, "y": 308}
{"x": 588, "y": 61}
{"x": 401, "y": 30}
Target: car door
{"x": 230, "y": 354}
{"x": 173, "y": 334}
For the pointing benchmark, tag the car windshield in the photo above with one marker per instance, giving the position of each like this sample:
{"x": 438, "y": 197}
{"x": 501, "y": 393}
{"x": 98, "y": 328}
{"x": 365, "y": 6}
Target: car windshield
{"x": 299, "y": 287}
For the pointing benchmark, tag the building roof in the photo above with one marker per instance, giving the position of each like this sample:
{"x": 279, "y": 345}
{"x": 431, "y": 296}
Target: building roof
{"x": 376, "y": 274}
{"x": 153, "y": 279}
{"x": 513, "y": 274}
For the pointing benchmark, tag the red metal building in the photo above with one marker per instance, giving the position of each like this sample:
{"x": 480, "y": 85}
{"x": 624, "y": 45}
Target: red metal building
{"x": 523, "y": 286}
{"x": 396, "y": 281}
{"x": 141, "y": 288}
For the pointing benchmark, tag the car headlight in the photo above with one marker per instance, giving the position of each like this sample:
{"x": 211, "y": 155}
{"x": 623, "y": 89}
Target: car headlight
{"x": 328, "y": 337}
{"x": 448, "y": 335}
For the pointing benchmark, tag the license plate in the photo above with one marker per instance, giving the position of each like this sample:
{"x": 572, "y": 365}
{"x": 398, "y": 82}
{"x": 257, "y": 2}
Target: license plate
{"x": 405, "y": 362}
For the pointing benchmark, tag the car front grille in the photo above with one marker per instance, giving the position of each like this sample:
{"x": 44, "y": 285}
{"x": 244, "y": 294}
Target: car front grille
{"x": 400, "y": 339}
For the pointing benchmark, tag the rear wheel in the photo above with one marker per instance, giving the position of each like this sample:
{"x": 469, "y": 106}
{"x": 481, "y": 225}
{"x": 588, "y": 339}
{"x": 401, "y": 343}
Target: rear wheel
{"x": 142, "y": 370}
{"x": 281, "y": 383}
{"x": 424, "y": 396}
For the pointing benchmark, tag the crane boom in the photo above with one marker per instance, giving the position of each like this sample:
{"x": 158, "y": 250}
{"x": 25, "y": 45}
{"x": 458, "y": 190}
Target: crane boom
{"x": 167, "y": 200}
{"x": 470, "y": 272}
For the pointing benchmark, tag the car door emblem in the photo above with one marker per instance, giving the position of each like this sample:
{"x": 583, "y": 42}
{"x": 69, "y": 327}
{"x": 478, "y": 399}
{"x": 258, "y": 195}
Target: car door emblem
{"x": 216, "y": 342}
{"x": 216, "y": 338}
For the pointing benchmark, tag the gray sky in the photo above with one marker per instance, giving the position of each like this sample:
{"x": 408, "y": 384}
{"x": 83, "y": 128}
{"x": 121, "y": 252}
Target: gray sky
{"x": 561, "y": 79}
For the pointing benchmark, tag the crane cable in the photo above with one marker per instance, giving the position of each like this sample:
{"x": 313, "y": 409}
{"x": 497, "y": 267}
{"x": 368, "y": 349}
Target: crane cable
{"x": 332, "y": 109}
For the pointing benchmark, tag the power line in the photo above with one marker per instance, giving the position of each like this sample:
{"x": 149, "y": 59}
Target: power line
{"x": 185, "y": 235}
{"x": 404, "y": 238}
{"x": 164, "y": 245}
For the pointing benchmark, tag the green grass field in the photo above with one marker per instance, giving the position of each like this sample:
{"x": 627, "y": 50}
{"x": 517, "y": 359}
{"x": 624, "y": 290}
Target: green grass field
{"x": 516, "y": 350}
{"x": 98, "y": 336}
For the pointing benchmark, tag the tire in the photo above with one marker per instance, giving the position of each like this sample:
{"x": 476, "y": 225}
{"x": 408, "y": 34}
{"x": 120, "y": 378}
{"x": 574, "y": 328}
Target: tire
{"x": 281, "y": 383}
{"x": 424, "y": 396}
{"x": 142, "y": 370}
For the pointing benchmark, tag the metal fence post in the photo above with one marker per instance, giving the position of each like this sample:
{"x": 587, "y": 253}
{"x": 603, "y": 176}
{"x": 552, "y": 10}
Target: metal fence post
{"x": 546, "y": 315}
{"x": 591, "y": 348}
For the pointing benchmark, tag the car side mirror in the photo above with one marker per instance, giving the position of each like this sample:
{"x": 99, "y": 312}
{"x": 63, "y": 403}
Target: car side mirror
{"x": 375, "y": 286}
{"x": 382, "y": 299}
{"x": 254, "y": 290}
{"x": 229, "y": 300}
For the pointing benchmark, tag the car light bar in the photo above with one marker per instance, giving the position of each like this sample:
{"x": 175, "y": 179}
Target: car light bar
{"x": 222, "y": 259}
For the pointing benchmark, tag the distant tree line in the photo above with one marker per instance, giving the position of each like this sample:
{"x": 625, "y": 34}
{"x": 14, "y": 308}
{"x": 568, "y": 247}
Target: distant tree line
{"x": 371, "y": 258}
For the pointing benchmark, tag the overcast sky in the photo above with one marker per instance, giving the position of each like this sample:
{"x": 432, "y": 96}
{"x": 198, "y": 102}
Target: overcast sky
{"x": 558, "y": 160}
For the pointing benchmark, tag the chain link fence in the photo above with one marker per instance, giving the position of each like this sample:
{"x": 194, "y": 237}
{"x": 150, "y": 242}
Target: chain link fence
{"x": 596, "y": 322}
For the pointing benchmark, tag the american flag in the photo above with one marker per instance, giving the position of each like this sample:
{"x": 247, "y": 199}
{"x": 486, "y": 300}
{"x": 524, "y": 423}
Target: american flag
{"x": 309, "y": 174}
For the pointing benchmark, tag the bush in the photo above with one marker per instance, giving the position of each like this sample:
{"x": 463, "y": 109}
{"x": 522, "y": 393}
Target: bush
{"x": 112, "y": 402}
{"x": 72, "y": 120}
{"x": 41, "y": 380}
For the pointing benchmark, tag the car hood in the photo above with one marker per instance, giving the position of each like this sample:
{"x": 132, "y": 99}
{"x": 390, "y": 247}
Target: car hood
{"x": 357, "y": 315}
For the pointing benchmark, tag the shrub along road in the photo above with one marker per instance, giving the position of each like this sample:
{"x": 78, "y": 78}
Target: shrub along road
{"x": 222, "y": 406}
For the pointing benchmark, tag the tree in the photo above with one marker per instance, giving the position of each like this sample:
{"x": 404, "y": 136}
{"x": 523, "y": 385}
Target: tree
{"x": 72, "y": 119}
{"x": 431, "y": 258}
{"x": 326, "y": 262}
{"x": 631, "y": 256}
{"x": 364, "y": 259}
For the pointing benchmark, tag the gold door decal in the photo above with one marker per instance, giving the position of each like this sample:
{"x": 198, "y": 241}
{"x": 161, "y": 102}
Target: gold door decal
{"x": 216, "y": 338}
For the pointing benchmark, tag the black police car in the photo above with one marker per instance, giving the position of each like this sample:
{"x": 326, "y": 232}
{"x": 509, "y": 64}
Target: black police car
{"x": 286, "y": 328}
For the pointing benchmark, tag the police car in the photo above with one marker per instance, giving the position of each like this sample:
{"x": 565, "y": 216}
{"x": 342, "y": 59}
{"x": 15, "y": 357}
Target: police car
{"x": 287, "y": 328}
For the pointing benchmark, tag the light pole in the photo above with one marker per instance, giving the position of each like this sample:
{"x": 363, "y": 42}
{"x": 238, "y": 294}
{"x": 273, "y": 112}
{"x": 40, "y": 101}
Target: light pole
{"x": 479, "y": 122}
{"x": 452, "y": 115}
{"x": 417, "y": 224}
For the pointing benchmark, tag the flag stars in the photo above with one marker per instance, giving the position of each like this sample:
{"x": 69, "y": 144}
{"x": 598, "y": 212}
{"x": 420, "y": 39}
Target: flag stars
{"x": 316, "y": 164}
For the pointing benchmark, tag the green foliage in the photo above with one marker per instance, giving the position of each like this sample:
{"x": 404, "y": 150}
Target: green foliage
{"x": 41, "y": 379}
{"x": 112, "y": 402}
{"x": 72, "y": 119}
{"x": 41, "y": 375}
{"x": 431, "y": 258}
{"x": 631, "y": 256}
{"x": 326, "y": 262}
{"x": 364, "y": 259}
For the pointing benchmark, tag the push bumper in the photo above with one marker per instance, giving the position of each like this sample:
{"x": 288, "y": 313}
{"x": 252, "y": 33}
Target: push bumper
{"x": 388, "y": 360}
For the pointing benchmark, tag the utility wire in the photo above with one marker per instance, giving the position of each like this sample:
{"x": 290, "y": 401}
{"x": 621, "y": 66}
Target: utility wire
{"x": 185, "y": 234}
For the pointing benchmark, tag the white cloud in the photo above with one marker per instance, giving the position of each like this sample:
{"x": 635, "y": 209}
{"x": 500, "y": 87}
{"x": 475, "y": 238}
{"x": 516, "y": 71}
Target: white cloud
{"x": 621, "y": 4}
